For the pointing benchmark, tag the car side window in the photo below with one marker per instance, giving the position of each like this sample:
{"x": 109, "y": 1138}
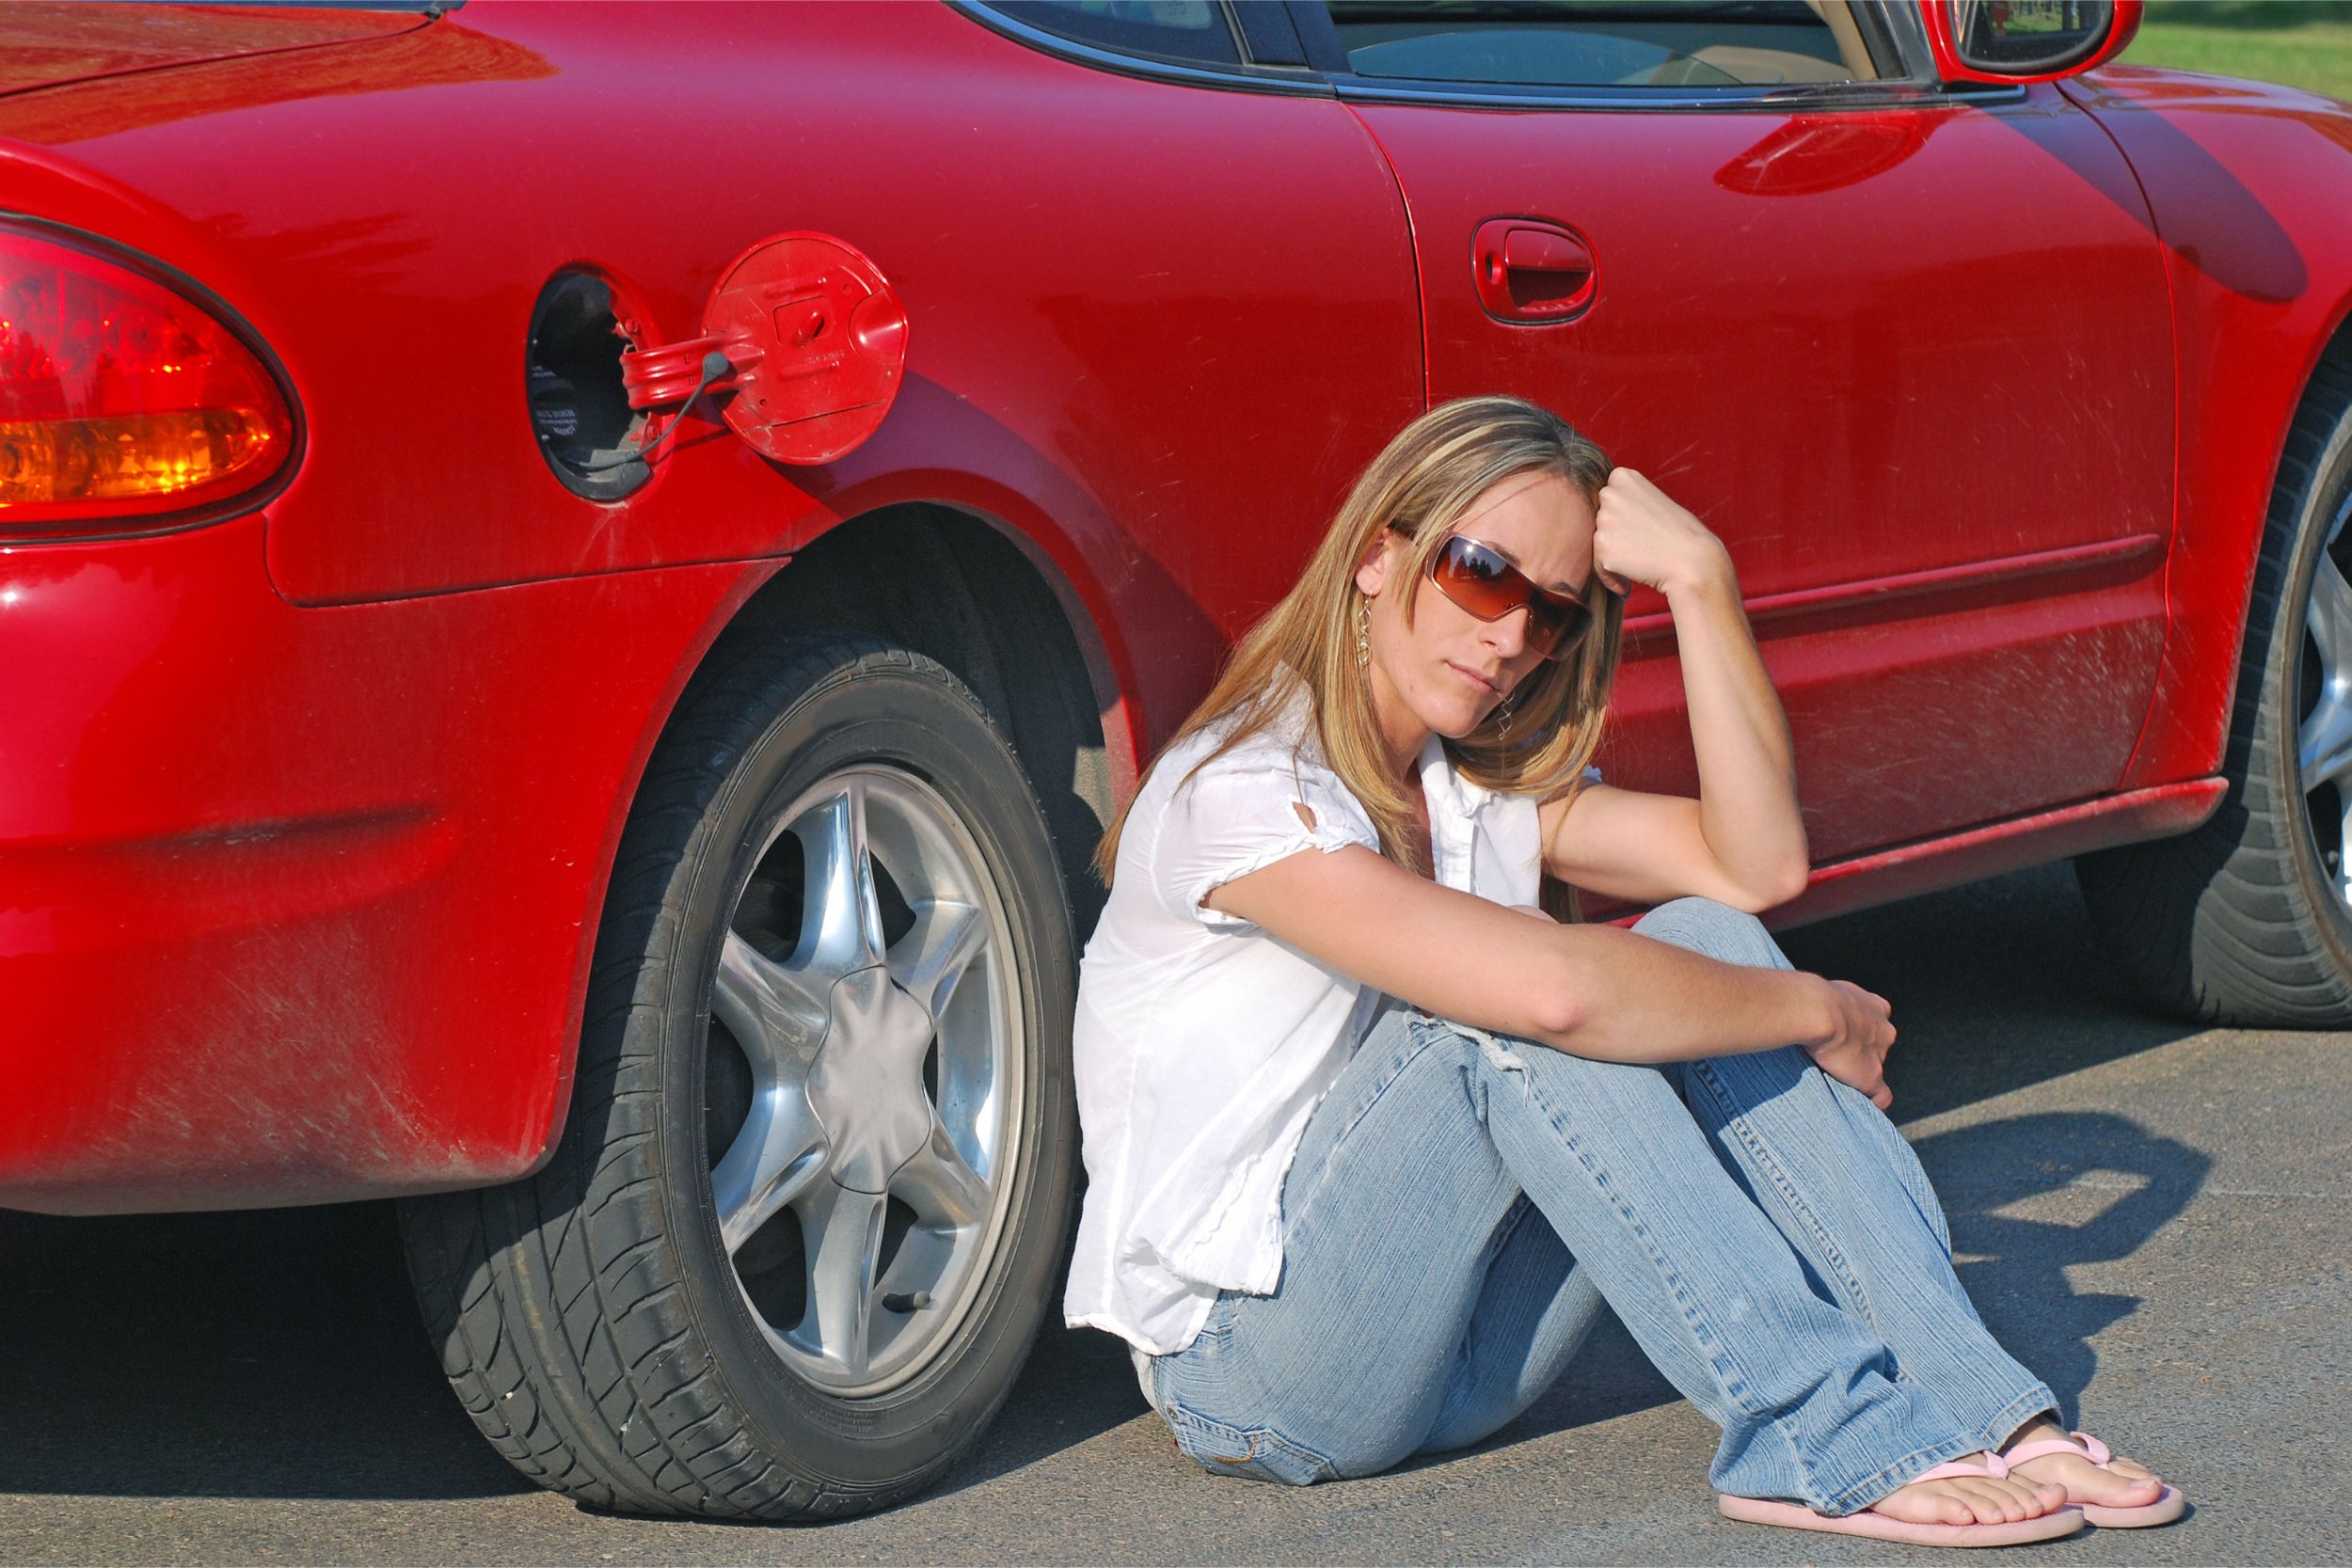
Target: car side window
{"x": 1196, "y": 32}
{"x": 1597, "y": 43}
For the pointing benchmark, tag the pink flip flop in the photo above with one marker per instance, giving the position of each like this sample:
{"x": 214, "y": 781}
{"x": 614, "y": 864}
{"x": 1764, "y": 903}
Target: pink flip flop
{"x": 1878, "y": 1526}
{"x": 2169, "y": 1506}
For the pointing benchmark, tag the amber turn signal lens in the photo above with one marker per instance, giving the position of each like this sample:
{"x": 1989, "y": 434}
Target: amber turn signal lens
{"x": 121, "y": 401}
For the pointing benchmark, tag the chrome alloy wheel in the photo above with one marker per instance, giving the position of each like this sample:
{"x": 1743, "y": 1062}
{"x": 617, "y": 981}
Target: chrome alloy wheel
{"x": 2324, "y": 739}
{"x": 864, "y": 1081}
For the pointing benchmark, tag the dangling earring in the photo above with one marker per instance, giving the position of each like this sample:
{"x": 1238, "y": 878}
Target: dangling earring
{"x": 1363, "y": 633}
{"x": 1503, "y": 708}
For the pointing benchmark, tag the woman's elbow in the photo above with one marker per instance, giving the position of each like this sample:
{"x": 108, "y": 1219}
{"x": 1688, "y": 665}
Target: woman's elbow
{"x": 1769, "y": 889}
{"x": 1552, "y": 1009}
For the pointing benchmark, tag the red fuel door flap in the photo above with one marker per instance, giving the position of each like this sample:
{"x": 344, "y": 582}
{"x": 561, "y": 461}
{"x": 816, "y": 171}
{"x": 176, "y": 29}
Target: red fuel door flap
{"x": 816, "y": 344}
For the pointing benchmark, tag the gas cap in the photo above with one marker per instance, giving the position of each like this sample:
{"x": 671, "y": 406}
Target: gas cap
{"x": 816, "y": 345}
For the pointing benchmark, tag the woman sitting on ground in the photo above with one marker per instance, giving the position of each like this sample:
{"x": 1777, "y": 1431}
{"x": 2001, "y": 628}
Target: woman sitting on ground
{"x": 1371, "y": 1137}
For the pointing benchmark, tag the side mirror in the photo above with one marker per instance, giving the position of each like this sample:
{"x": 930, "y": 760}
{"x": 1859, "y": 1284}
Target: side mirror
{"x": 2026, "y": 40}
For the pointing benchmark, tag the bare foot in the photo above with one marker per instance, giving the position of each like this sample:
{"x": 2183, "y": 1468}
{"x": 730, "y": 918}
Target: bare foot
{"x": 2121, "y": 1484}
{"x": 1970, "y": 1500}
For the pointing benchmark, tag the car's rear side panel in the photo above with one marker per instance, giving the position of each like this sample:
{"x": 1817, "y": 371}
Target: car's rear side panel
{"x": 314, "y": 809}
{"x": 295, "y": 898}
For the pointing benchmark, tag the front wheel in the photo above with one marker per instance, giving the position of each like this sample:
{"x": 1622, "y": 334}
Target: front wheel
{"x": 2248, "y": 919}
{"x": 808, "y": 1211}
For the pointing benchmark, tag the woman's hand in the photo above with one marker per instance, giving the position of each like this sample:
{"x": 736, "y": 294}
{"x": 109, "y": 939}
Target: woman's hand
{"x": 1860, "y": 1034}
{"x": 1640, "y": 536}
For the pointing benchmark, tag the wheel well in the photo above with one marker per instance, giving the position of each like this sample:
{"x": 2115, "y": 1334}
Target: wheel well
{"x": 2337, "y": 351}
{"x": 950, "y": 585}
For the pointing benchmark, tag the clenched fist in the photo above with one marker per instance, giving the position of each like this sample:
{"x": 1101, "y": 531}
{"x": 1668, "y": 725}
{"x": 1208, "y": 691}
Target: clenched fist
{"x": 1639, "y": 535}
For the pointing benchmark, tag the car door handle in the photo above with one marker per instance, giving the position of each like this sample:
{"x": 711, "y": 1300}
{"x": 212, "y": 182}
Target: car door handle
{"x": 1529, "y": 270}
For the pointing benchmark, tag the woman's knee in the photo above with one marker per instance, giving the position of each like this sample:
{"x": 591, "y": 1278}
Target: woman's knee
{"x": 1714, "y": 928}
{"x": 1560, "y": 1083}
{"x": 1742, "y": 1083}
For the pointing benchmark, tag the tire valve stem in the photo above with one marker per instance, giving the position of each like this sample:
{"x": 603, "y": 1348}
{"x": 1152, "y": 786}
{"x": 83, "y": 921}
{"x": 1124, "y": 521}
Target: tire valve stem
{"x": 900, "y": 1301}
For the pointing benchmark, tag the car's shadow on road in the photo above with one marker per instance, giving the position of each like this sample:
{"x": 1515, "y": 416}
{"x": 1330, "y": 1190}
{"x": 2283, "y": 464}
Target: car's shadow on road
{"x": 270, "y": 1355}
{"x": 278, "y": 1355}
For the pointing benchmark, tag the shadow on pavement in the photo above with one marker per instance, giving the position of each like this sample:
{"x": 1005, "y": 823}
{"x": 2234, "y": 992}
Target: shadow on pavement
{"x": 266, "y": 1354}
{"x": 1996, "y": 987}
{"x": 2019, "y": 1284}
{"x": 278, "y": 1355}
{"x": 1078, "y": 1384}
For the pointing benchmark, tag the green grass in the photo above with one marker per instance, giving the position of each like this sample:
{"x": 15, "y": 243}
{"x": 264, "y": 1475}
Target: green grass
{"x": 2303, "y": 43}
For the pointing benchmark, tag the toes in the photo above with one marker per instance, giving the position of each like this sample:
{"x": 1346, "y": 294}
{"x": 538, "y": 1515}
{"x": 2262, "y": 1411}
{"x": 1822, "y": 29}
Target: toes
{"x": 2124, "y": 1482}
{"x": 2041, "y": 1498}
{"x": 1994, "y": 1502}
{"x": 2035, "y": 1499}
{"x": 1968, "y": 1500}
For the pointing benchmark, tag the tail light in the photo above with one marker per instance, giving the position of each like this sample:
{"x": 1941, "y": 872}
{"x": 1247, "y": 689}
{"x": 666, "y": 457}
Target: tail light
{"x": 124, "y": 404}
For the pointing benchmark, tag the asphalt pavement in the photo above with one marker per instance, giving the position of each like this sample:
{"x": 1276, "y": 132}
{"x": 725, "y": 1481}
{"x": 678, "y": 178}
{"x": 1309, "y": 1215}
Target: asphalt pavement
{"x": 2151, "y": 1215}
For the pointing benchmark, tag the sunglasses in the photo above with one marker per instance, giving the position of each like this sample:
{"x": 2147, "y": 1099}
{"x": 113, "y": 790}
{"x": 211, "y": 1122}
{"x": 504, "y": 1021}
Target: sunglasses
{"x": 1476, "y": 578}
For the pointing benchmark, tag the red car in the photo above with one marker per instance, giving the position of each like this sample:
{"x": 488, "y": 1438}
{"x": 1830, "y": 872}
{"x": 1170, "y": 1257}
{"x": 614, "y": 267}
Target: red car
{"x": 577, "y": 582}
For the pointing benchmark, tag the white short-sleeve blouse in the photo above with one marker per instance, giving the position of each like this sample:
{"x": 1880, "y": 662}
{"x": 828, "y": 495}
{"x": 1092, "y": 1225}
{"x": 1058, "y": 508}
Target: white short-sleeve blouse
{"x": 1202, "y": 1044}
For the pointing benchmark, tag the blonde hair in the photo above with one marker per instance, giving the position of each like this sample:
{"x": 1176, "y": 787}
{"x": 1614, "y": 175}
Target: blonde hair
{"x": 1421, "y": 486}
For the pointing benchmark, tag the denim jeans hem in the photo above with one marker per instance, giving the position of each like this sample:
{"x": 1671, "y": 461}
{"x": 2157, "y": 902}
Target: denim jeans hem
{"x": 2037, "y": 1400}
{"x": 1890, "y": 1477}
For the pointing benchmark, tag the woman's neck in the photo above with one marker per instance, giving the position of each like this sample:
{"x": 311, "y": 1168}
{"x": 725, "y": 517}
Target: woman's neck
{"x": 1401, "y": 734}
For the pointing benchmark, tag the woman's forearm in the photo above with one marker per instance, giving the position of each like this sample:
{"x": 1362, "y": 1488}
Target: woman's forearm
{"x": 1747, "y": 769}
{"x": 1590, "y": 990}
{"x": 1624, "y": 997}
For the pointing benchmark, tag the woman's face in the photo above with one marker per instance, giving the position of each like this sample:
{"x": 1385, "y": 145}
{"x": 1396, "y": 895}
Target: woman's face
{"x": 1447, "y": 670}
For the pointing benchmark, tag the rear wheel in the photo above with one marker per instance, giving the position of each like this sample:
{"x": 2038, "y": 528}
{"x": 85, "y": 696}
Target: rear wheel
{"x": 807, "y": 1212}
{"x": 2248, "y": 918}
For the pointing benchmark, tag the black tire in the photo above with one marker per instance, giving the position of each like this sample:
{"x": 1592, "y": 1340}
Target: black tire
{"x": 591, "y": 1318}
{"x": 2236, "y": 921}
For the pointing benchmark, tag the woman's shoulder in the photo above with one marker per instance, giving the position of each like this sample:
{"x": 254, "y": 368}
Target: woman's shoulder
{"x": 1273, "y": 737}
{"x": 1247, "y": 777}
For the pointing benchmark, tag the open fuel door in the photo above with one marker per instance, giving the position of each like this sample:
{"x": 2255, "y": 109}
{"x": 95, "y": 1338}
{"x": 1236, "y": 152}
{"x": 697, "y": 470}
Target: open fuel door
{"x": 803, "y": 346}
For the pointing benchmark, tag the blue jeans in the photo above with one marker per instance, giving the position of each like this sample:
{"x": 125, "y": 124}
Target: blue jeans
{"x": 1462, "y": 1204}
